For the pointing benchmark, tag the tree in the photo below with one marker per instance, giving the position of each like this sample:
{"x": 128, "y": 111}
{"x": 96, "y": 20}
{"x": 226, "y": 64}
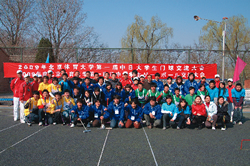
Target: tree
{"x": 237, "y": 40}
{"x": 148, "y": 37}
{"x": 44, "y": 47}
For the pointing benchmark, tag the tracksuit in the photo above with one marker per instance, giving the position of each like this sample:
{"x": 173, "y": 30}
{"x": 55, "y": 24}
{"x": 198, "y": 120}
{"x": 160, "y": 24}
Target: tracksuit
{"x": 155, "y": 111}
{"x": 213, "y": 93}
{"x": 82, "y": 113}
{"x": 134, "y": 115}
{"x": 160, "y": 86}
{"x": 168, "y": 111}
{"x": 115, "y": 113}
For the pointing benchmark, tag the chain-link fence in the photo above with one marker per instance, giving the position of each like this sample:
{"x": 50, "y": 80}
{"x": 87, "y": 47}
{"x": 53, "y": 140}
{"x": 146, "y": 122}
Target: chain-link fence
{"x": 136, "y": 55}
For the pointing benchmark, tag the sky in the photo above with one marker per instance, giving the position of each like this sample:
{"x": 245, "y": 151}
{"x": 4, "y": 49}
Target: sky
{"x": 110, "y": 18}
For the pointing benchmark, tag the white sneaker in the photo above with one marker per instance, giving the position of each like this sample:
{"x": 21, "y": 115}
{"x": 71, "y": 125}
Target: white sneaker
{"x": 72, "y": 125}
{"x": 178, "y": 128}
{"x": 164, "y": 128}
{"x": 240, "y": 123}
{"x": 54, "y": 123}
{"x": 29, "y": 124}
{"x": 22, "y": 121}
{"x": 213, "y": 128}
{"x": 223, "y": 128}
{"x": 40, "y": 123}
{"x": 234, "y": 122}
{"x": 102, "y": 126}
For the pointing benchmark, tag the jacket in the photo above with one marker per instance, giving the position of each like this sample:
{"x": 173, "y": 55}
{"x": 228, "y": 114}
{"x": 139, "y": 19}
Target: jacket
{"x": 115, "y": 111}
{"x": 103, "y": 86}
{"x": 113, "y": 83}
{"x": 154, "y": 110}
{"x": 168, "y": 109}
{"x": 108, "y": 95}
{"x": 141, "y": 95}
{"x": 25, "y": 91}
{"x": 134, "y": 114}
{"x": 224, "y": 95}
{"x": 213, "y": 93}
{"x": 222, "y": 109}
{"x": 217, "y": 84}
{"x": 125, "y": 82}
{"x": 190, "y": 99}
{"x": 188, "y": 84}
{"x": 15, "y": 86}
{"x": 230, "y": 99}
{"x": 121, "y": 94}
{"x": 160, "y": 86}
{"x": 100, "y": 97}
{"x": 65, "y": 85}
{"x": 98, "y": 112}
{"x": 32, "y": 105}
{"x": 127, "y": 95}
{"x": 238, "y": 96}
{"x": 181, "y": 87}
{"x": 211, "y": 109}
{"x": 178, "y": 111}
{"x": 82, "y": 113}
{"x": 35, "y": 85}
{"x": 199, "y": 109}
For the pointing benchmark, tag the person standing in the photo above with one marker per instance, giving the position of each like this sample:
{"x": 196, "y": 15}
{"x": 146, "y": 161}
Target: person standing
{"x": 50, "y": 73}
{"x": 35, "y": 83}
{"x": 217, "y": 80}
{"x": 160, "y": 86}
{"x": 125, "y": 80}
{"x": 113, "y": 80}
{"x": 191, "y": 83}
{"x": 230, "y": 87}
{"x": 147, "y": 84}
{"x": 14, "y": 86}
{"x": 178, "y": 84}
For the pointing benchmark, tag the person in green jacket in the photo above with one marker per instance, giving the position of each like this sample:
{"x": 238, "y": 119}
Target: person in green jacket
{"x": 191, "y": 96}
{"x": 177, "y": 96}
{"x": 140, "y": 94}
{"x": 163, "y": 94}
{"x": 152, "y": 91}
{"x": 202, "y": 92}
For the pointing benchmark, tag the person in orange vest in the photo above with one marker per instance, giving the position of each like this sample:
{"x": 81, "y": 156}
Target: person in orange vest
{"x": 25, "y": 93}
{"x": 35, "y": 83}
{"x": 50, "y": 73}
{"x": 217, "y": 80}
{"x": 14, "y": 86}
{"x": 230, "y": 87}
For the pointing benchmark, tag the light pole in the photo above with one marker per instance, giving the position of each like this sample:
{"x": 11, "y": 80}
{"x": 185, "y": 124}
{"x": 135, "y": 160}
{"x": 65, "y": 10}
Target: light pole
{"x": 196, "y": 18}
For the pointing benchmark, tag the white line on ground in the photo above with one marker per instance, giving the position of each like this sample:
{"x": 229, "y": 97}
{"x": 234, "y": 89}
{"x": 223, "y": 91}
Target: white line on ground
{"x": 103, "y": 148}
{"x": 150, "y": 147}
{"x": 23, "y": 139}
{"x": 10, "y": 127}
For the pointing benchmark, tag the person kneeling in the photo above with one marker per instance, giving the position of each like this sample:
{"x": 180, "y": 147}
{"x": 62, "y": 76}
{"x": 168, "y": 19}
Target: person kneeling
{"x": 199, "y": 112}
{"x": 134, "y": 114}
{"x": 97, "y": 110}
{"x": 31, "y": 110}
{"x": 182, "y": 114}
{"x": 56, "y": 108}
{"x": 152, "y": 113}
{"x": 79, "y": 113}
{"x": 222, "y": 113}
{"x": 168, "y": 110}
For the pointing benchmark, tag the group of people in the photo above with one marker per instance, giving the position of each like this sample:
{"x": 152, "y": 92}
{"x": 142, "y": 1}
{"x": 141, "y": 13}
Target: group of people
{"x": 127, "y": 102}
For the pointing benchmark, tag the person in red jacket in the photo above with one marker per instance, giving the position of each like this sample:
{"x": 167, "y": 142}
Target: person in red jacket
{"x": 136, "y": 82}
{"x": 50, "y": 75}
{"x": 199, "y": 112}
{"x": 14, "y": 86}
{"x": 35, "y": 83}
{"x": 25, "y": 93}
{"x": 217, "y": 80}
{"x": 125, "y": 80}
{"x": 230, "y": 87}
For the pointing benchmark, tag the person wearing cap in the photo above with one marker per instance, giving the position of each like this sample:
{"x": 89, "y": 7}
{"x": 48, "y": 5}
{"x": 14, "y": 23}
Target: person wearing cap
{"x": 170, "y": 85}
{"x": 217, "y": 80}
{"x": 230, "y": 87}
{"x": 43, "y": 85}
{"x": 50, "y": 73}
{"x": 25, "y": 93}
{"x": 14, "y": 86}
{"x": 35, "y": 83}
{"x": 134, "y": 74}
{"x": 40, "y": 78}
{"x": 147, "y": 83}
{"x": 178, "y": 84}
{"x": 113, "y": 81}
{"x": 125, "y": 80}
{"x": 191, "y": 83}
{"x": 136, "y": 81}
{"x": 142, "y": 79}
{"x": 159, "y": 84}
{"x": 203, "y": 81}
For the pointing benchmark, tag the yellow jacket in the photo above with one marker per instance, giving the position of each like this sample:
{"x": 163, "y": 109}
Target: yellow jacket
{"x": 56, "y": 105}
{"x": 41, "y": 87}
{"x": 66, "y": 106}
{"x": 32, "y": 105}
{"x": 54, "y": 88}
{"x": 48, "y": 104}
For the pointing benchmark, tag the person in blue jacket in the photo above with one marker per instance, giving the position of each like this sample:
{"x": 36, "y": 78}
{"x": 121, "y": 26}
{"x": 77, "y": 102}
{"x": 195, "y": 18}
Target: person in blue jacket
{"x": 100, "y": 84}
{"x": 223, "y": 91}
{"x": 108, "y": 94}
{"x": 212, "y": 91}
{"x": 75, "y": 83}
{"x": 119, "y": 91}
{"x": 65, "y": 83}
{"x": 168, "y": 109}
{"x": 79, "y": 112}
{"x": 238, "y": 95}
{"x": 191, "y": 82}
{"x": 135, "y": 114}
{"x": 97, "y": 111}
{"x": 203, "y": 81}
{"x": 182, "y": 114}
{"x": 152, "y": 113}
{"x": 160, "y": 86}
{"x": 178, "y": 84}
{"x": 129, "y": 93}
{"x": 115, "y": 112}
{"x": 170, "y": 85}
{"x": 87, "y": 85}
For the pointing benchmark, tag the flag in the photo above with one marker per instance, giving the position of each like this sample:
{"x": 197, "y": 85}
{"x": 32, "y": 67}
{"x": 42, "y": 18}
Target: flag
{"x": 47, "y": 60}
{"x": 239, "y": 67}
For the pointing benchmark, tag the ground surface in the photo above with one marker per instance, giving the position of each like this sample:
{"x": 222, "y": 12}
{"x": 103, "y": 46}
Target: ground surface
{"x": 62, "y": 145}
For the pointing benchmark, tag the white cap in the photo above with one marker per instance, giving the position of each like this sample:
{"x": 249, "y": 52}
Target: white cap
{"x": 35, "y": 75}
{"x": 136, "y": 78}
{"x": 142, "y": 76}
{"x": 39, "y": 76}
{"x": 125, "y": 73}
{"x": 26, "y": 75}
{"x": 230, "y": 79}
{"x": 19, "y": 71}
{"x": 50, "y": 71}
{"x": 217, "y": 75}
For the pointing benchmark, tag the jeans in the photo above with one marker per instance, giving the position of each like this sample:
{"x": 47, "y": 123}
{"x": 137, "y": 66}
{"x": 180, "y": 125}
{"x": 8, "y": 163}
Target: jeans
{"x": 180, "y": 119}
{"x": 32, "y": 117}
{"x": 41, "y": 114}
{"x": 238, "y": 114}
{"x": 53, "y": 117}
{"x": 166, "y": 118}
{"x": 65, "y": 115}
{"x": 156, "y": 122}
{"x": 230, "y": 109}
{"x": 114, "y": 123}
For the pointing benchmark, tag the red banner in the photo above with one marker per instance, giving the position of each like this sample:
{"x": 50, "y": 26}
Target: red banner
{"x": 166, "y": 70}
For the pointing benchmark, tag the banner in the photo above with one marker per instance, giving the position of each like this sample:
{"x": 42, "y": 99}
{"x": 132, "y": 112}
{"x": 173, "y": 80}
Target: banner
{"x": 166, "y": 70}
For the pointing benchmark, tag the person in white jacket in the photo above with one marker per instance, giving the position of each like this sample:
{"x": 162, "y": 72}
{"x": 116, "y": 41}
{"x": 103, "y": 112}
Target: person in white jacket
{"x": 211, "y": 109}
